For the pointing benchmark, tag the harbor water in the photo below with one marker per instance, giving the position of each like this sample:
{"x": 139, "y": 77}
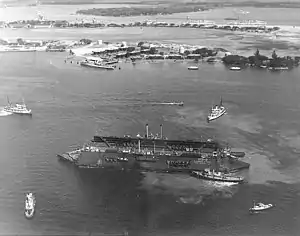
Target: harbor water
{"x": 70, "y": 104}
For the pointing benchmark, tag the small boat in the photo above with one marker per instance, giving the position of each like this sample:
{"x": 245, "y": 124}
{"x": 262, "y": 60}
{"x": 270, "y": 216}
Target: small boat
{"x": 236, "y": 68}
{"x": 96, "y": 64}
{"x": 30, "y": 202}
{"x": 169, "y": 103}
{"x": 193, "y": 68}
{"x": 278, "y": 68}
{"x": 216, "y": 112}
{"x": 258, "y": 207}
{"x": 217, "y": 176}
{"x": 20, "y": 109}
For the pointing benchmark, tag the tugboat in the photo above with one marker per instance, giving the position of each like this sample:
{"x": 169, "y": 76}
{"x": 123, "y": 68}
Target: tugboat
{"x": 216, "y": 112}
{"x": 29, "y": 205}
{"x": 258, "y": 207}
{"x": 218, "y": 176}
{"x": 17, "y": 108}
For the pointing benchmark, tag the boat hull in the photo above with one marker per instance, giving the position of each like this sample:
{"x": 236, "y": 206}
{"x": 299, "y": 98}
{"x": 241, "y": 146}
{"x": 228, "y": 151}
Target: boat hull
{"x": 97, "y": 66}
{"x": 200, "y": 175}
{"x": 29, "y": 213}
{"x": 19, "y": 113}
{"x": 159, "y": 163}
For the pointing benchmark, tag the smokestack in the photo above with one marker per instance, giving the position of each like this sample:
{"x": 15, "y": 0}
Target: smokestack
{"x": 139, "y": 145}
{"x": 161, "y": 131}
{"x": 147, "y": 131}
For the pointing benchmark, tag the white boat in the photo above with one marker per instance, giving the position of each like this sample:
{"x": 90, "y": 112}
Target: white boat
{"x": 278, "y": 68}
{"x": 217, "y": 176}
{"x": 169, "y": 103}
{"x": 257, "y": 207}
{"x": 30, "y": 202}
{"x": 216, "y": 112}
{"x": 235, "y": 68}
{"x": 96, "y": 63}
{"x": 193, "y": 68}
{"x": 17, "y": 108}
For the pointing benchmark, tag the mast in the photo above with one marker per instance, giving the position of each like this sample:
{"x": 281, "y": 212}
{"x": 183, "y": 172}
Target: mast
{"x": 221, "y": 102}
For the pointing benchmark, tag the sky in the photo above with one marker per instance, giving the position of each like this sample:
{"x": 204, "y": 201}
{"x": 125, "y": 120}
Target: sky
{"x": 182, "y": 1}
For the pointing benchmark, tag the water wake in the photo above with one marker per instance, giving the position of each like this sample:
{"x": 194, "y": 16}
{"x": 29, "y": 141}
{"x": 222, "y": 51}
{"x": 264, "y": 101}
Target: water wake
{"x": 4, "y": 113}
{"x": 186, "y": 189}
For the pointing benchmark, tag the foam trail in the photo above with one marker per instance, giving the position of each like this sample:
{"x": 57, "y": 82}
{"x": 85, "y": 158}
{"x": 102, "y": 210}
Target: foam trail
{"x": 4, "y": 113}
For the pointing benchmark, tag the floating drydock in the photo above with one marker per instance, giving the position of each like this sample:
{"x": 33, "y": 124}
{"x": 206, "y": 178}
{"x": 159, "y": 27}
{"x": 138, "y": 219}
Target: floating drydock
{"x": 153, "y": 153}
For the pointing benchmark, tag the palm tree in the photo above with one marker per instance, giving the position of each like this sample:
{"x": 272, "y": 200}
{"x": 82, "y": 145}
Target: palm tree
{"x": 274, "y": 55}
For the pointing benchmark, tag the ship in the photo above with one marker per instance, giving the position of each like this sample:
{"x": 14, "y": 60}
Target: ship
{"x": 148, "y": 153}
{"x": 20, "y": 109}
{"x": 218, "y": 176}
{"x": 214, "y": 174}
{"x": 216, "y": 112}
{"x": 30, "y": 202}
{"x": 168, "y": 103}
{"x": 96, "y": 63}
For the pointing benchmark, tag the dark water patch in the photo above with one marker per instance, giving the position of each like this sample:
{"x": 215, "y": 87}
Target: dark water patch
{"x": 268, "y": 45}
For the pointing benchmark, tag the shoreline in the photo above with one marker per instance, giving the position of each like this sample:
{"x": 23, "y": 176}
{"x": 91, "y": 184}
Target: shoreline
{"x": 103, "y": 55}
{"x": 241, "y": 26}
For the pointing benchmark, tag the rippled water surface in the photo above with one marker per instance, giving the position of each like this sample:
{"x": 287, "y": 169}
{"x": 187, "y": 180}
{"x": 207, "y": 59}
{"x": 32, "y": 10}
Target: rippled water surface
{"x": 70, "y": 104}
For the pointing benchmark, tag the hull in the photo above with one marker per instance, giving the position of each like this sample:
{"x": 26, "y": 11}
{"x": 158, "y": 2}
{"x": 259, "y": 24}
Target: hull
{"x": 28, "y": 113}
{"x": 209, "y": 118}
{"x": 217, "y": 178}
{"x": 97, "y": 66}
{"x": 29, "y": 213}
{"x": 162, "y": 163}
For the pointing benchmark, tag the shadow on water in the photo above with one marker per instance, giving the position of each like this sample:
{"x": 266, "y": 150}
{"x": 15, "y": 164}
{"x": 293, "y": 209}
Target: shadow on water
{"x": 114, "y": 199}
